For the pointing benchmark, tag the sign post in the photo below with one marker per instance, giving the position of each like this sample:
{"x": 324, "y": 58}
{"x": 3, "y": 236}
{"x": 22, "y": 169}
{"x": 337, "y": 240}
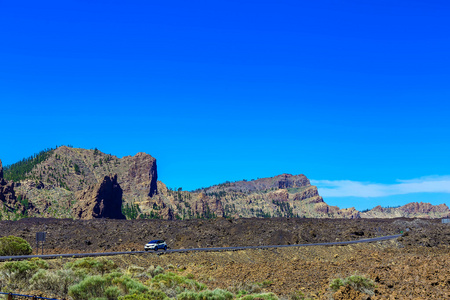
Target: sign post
{"x": 40, "y": 237}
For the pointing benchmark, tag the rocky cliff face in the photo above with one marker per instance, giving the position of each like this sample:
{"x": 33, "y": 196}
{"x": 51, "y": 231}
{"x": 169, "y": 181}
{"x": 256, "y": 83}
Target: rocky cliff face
{"x": 52, "y": 185}
{"x": 283, "y": 181}
{"x": 280, "y": 196}
{"x": 102, "y": 200}
{"x": 139, "y": 175}
{"x": 410, "y": 210}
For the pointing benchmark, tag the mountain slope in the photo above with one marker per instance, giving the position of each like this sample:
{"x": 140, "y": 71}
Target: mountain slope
{"x": 51, "y": 183}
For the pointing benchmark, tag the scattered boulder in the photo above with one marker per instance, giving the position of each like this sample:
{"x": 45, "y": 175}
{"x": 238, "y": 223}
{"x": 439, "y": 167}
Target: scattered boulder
{"x": 102, "y": 200}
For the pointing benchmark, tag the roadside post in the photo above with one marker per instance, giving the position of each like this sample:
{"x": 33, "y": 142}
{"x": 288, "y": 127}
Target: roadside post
{"x": 40, "y": 237}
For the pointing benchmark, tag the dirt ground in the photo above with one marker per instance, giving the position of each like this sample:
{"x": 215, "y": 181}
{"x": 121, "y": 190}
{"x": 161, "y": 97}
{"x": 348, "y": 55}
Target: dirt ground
{"x": 416, "y": 266}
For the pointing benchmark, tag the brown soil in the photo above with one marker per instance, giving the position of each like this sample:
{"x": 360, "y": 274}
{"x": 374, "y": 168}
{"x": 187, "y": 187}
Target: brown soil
{"x": 416, "y": 266}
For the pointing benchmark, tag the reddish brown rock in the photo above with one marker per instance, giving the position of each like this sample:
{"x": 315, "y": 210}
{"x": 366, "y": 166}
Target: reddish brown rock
{"x": 309, "y": 192}
{"x": 140, "y": 175}
{"x": 280, "y": 195}
{"x": 103, "y": 200}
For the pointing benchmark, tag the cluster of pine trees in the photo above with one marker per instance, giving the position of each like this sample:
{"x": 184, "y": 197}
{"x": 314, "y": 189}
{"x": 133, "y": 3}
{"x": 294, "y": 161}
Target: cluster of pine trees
{"x": 19, "y": 170}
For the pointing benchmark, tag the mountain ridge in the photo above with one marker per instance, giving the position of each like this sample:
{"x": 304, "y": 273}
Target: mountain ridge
{"x": 56, "y": 176}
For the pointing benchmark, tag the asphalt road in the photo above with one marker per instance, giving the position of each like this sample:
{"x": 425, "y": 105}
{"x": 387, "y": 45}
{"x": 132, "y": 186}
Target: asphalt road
{"x": 377, "y": 239}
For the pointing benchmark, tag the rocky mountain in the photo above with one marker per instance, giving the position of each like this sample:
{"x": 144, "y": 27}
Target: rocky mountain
{"x": 71, "y": 182}
{"x": 103, "y": 200}
{"x": 410, "y": 210}
{"x": 280, "y": 196}
{"x": 57, "y": 175}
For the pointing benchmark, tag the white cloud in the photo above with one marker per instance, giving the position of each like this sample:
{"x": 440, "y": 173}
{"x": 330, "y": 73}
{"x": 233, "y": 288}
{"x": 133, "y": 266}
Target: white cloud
{"x": 348, "y": 188}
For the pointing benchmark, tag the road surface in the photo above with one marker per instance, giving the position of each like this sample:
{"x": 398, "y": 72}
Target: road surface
{"x": 377, "y": 239}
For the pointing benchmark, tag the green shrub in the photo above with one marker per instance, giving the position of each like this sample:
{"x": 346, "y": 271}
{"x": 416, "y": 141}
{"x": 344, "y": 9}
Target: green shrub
{"x": 155, "y": 271}
{"x": 172, "y": 284}
{"x": 56, "y": 282}
{"x": 42, "y": 264}
{"x": 12, "y": 245}
{"x": 357, "y": 282}
{"x": 19, "y": 272}
{"x": 299, "y": 295}
{"x": 150, "y": 295}
{"x": 126, "y": 284}
{"x": 112, "y": 292}
{"x": 265, "y": 296}
{"x": 217, "y": 294}
{"x": 89, "y": 288}
{"x": 171, "y": 280}
{"x": 92, "y": 265}
{"x": 244, "y": 288}
{"x": 336, "y": 284}
{"x": 110, "y": 286}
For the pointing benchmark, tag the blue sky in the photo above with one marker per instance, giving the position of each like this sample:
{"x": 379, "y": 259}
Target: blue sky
{"x": 353, "y": 95}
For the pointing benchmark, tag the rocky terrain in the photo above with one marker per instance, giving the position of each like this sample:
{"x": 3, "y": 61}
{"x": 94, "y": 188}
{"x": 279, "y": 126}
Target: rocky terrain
{"x": 415, "y": 266}
{"x": 56, "y": 182}
{"x": 101, "y": 235}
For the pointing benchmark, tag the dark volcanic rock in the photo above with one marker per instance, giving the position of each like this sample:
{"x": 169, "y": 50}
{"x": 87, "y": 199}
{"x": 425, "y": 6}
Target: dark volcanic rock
{"x": 103, "y": 200}
{"x": 1, "y": 169}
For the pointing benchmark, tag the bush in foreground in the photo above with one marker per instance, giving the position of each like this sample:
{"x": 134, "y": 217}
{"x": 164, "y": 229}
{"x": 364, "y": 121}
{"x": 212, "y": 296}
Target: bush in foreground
{"x": 16, "y": 274}
{"x": 217, "y": 294}
{"x": 150, "y": 295}
{"x": 12, "y": 245}
{"x": 357, "y": 282}
{"x": 265, "y": 296}
{"x": 92, "y": 265}
{"x": 57, "y": 282}
{"x": 110, "y": 286}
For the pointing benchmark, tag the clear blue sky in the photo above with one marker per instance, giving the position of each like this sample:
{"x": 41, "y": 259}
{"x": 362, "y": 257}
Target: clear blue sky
{"x": 353, "y": 94}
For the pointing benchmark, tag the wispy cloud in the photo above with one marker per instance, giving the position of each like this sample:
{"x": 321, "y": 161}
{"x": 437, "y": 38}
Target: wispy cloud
{"x": 348, "y": 188}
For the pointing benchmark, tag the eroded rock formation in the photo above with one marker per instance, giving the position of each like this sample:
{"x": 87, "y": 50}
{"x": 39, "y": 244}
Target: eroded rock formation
{"x": 139, "y": 175}
{"x": 102, "y": 200}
